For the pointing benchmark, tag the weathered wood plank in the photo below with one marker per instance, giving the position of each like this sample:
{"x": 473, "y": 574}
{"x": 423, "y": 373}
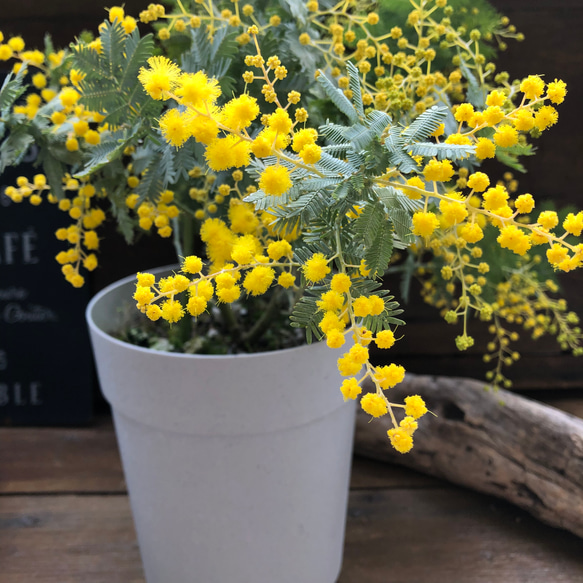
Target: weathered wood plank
{"x": 370, "y": 474}
{"x": 499, "y": 443}
{"x": 452, "y": 535}
{"x": 67, "y": 539}
{"x": 42, "y": 460}
{"x": 397, "y": 535}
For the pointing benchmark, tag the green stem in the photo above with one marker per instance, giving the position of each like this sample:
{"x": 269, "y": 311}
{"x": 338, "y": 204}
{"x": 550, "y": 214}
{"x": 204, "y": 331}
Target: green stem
{"x": 230, "y": 321}
{"x": 262, "y": 324}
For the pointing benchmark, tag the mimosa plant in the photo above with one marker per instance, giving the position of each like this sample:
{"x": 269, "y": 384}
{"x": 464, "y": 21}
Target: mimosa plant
{"x": 206, "y": 136}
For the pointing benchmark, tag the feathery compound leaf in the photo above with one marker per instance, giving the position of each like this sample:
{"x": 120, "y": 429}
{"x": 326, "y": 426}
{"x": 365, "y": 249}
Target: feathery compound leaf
{"x": 403, "y": 224}
{"x": 167, "y": 166}
{"x": 113, "y": 45}
{"x": 396, "y": 199}
{"x": 337, "y": 150}
{"x": 314, "y": 184}
{"x": 334, "y": 166}
{"x": 378, "y": 121}
{"x": 88, "y": 61}
{"x": 475, "y": 93}
{"x": 378, "y": 253}
{"x": 355, "y": 87}
{"x": 98, "y": 97}
{"x": 425, "y": 124}
{"x": 334, "y": 133}
{"x": 338, "y": 98}
{"x": 308, "y": 206}
{"x": 305, "y": 315}
{"x": 54, "y": 170}
{"x": 396, "y": 150}
{"x": 151, "y": 184}
{"x": 108, "y": 150}
{"x": 369, "y": 222}
{"x": 360, "y": 136}
{"x": 137, "y": 52}
{"x": 13, "y": 149}
{"x": 224, "y": 49}
{"x": 450, "y": 151}
{"x": 12, "y": 88}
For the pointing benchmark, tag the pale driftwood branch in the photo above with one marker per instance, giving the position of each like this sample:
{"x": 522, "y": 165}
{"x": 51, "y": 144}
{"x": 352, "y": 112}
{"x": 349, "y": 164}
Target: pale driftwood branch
{"x": 498, "y": 443}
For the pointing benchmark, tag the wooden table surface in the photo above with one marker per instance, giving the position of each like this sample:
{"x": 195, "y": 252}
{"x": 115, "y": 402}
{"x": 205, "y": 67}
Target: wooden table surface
{"x": 65, "y": 518}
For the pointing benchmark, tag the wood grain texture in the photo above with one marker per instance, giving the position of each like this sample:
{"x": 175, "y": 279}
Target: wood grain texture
{"x": 451, "y": 535}
{"x": 50, "y": 460}
{"x": 68, "y": 539}
{"x": 498, "y": 443}
{"x": 423, "y": 535}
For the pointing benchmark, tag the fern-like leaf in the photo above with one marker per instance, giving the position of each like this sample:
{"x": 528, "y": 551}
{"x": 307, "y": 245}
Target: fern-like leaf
{"x": 334, "y": 166}
{"x": 12, "y": 88}
{"x": 113, "y": 50}
{"x": 14, "y": 148}
{"x": 398, "y": 157}
{"x": 476, "y": 92}
{"x": 378, "y": 253}
{"x": 137, "y": 52}
{"x": 396, "y": 199}
{"x": 338, "y": 98}
{"x": 449, "y": 151}
{"x": 425, "y": 124}
{"x": 355, "y": 87}
{"x": 378, "y": 121}
{"x": 369, "y": 222}
{"x": 359, "y": 136}
{"x": 403, "y": 225}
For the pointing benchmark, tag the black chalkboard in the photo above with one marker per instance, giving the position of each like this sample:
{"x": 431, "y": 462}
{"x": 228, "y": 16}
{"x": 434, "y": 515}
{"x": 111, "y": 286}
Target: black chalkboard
{"x": 46, "y": 370}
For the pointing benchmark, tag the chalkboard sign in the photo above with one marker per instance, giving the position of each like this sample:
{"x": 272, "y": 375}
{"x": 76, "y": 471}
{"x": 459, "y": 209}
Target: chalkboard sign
{"x": 46, "y": 366}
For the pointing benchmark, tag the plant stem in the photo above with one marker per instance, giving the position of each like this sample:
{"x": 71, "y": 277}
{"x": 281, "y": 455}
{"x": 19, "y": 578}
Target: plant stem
{"x": 262, "y": 323}
{"x": 230, "y": 321}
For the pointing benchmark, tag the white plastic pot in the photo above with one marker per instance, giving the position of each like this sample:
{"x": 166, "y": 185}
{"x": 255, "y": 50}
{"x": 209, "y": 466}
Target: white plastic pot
{"x": 237, "y": 466}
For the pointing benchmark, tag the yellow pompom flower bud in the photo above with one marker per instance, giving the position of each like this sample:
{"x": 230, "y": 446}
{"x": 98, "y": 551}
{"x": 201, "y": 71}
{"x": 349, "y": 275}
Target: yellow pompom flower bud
{"x": 192, "y": 264}
{"x": 145, "y": 279}
{"x": 350, "y": 389}
{"x": 116, "y": 12}
{"x": 72, "y": 144}
{"x": 478, "y": 181}
{"x": 385, "y": 339}
{"x": 471, "y": 232}
{"x": 409, "y": 424}
{"x": 286, "y": 280}
{"x": 532, "y": 87}
{"x": 153, "y": 312}
{"x": 316, "y": 268}
{"x": 548, "y": 220}
{"x": 524, "y": 203}
{"x": 374, "y": 405}
{"x": 389, "y": 376}
{"x": 424, "y": 223}
{"x": 335, "y": 339}
{"x": 340, "y": 283}
{"x": 485, "y": 148}
{"x": 415, "y": 406}
{"x": 196, "y": 306}
{"x": 361, "y": 307}
{"x": 400, "y": 439}
{"x": 258, "y": 280}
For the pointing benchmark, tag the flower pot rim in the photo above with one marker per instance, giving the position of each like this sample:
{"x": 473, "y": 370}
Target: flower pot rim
{"x": 100, "y": 295}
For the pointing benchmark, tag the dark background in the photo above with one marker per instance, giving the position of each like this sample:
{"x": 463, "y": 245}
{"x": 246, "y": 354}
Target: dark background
{"x": 552, "y": 48}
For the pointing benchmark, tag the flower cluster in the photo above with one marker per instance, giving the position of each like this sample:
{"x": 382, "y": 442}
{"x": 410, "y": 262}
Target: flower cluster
{"x": 80, "y": 234}
{"x": 228, "y": 144}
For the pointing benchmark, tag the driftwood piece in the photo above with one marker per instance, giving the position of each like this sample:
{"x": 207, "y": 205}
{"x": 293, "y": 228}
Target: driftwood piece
{"x": 498, "y": 443}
